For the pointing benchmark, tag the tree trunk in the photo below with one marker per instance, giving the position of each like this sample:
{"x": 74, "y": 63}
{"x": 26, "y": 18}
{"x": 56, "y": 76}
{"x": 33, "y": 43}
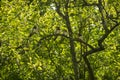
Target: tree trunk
{"x": 90, "y": 71}
{"x": 72, "y": 48}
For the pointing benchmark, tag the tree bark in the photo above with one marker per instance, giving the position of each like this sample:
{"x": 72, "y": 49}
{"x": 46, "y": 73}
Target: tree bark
{"x": 72, "y": 48}
{"x": 90, "y": 71}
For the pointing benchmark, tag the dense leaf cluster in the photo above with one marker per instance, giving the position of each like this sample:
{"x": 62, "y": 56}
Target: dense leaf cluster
{"x": 59, "y": 40}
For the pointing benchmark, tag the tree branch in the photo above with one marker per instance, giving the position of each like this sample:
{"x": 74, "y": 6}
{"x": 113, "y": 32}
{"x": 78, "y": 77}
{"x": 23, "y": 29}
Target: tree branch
{"x": 92, "y": 51}
{"x": 100, "y": 41}
{"x": 85, "y": 3}
{"x": 106, "y": 34}
{"x": 100, "y": 6}
{"x": 79, "y": 40}
{"x": 51, "y": 35}
{"x": 58, "y": 10}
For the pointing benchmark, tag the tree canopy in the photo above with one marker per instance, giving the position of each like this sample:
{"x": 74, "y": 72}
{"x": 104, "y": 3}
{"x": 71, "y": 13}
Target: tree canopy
{"x": 59, "y": 39}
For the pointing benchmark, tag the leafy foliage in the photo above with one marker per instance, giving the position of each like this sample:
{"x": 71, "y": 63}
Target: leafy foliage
{"x": 59, "y": 39}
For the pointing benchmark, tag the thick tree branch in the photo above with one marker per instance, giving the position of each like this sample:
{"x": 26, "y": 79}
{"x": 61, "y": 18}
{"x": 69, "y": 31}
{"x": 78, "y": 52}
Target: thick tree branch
{"x": 100, "y": 6}
{"x": 90, "y": 71}
{"x": 106, "y": 34}
{"x": 100, "y": 41}
{"x": 72, "y": 47}
{"x": 93, "y": 51}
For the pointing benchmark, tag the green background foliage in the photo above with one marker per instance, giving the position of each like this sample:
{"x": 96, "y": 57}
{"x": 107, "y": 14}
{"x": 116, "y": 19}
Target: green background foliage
{"x": 31, "y": 49}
